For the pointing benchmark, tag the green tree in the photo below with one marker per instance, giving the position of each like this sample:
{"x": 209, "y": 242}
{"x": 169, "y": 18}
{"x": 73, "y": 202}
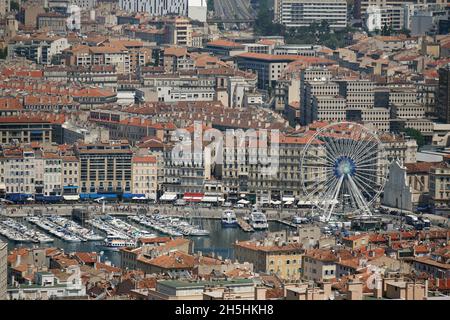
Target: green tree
{"x": 386, "y": 30}
{"x": 4, "y": 53}
{"x": 210, "y": 5}
{"x": 14, "y": 6}
{"x": 416, "y": 135}
{"x": 406, "y": 32}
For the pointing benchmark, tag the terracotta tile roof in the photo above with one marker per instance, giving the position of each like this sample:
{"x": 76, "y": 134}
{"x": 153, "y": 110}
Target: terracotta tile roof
{"x": 147, "y": 159}
{"x": 322, "y": 255}
{"x": 255, "y": 246}
{"x": 86, "y": 257}
{"x": 10, "y": 104}
{"x": 224, "y": 44}
{"x": 107, "y": 268}
{"x": 154, "y": 240}
{"x": 175, "y": 51}
{"x": 94, "y": 92}
{"x": 172, "y": 244}
{"x": 34, "y": 118}
{"x": 354, "y": 237}
{"x": 173, "y": 260}
{"x": 419, "y": 167}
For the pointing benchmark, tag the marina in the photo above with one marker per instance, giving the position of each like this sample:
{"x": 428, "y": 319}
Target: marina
{"x": 54, "y": 229}
{"x": 17, "y": 231}
{"x": 81, "y": 232}
{"x": 113, "y": 226}
{"x": 172, "y": 226}
{"x": 220, "y": 241}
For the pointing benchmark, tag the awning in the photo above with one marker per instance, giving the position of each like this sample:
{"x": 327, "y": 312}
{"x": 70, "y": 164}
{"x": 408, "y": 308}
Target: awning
{"x": 193, "y": 196}
{"x": 18, "y": 197}
{"x": 304, "y": 203}
{"x": 276, "y": 202}
{"x": 70, "y": 187}
{"x": 288, "y": 203}
{"x": 168, "y": 196}
{"x": 71, "y": 197}
{"x": 138, "y": 196}
{"x": 47, "y": 198}
{"x": 288, "y": 199}
{"x": 210, "y": 199}
{"x": 104, "y": 195}
{"x": 243, "y": 201}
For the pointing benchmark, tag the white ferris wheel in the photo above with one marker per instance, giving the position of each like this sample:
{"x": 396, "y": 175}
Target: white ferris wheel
{"x": 343, "y": 169}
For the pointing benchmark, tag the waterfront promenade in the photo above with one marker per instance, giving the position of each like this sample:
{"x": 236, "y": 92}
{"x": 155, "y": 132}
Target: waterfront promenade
{"x": 130, "y": 209}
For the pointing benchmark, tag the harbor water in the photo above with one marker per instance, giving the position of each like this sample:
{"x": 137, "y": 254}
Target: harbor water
{"x": 220, "y": 241}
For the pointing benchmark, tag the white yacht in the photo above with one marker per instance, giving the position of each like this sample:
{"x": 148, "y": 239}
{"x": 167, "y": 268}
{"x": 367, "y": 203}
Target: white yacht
{"x": 299, "y": 220}
{"x": 116, "y": 242}
{"x": 229, "y": 219}
{"x": 258, "y": 220}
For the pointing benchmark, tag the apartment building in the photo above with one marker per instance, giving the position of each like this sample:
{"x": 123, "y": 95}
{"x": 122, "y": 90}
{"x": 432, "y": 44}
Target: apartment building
{"x": 376, "y": 18}
{"x": 194, "y": 9}
{"x": 105, "y": 166}
{"x": 52, "y": 166}
{"x": 100, "y": 76}
{"x": 311, "y": 74}
{"x": 318, "y": 96}
{"x": 362, "y": 5}
{"x": 38, "y": 48}
{"x": 397, "y": 147}
{"x": 300, "y": 13}
{"x": 174, "y": 88}
{"x": 378, "y": 119}
{"x": 84, "y": 4}
{"x": 145, "y": 176}
{"x": 440, "y": 188}
{"x": 70, "y": 179}
{"x": 179, "y": 32}
{"x": 242, "y": 172}
{"x": 268, "y": 67}
{"x": 52, "y": 22}
{"x": 282, "y": 259}
{"x": 359, "y": 93}
{"x": 185, "y": 172}
{"x": 319, "y": 265}
{"x": 26, "y": 128}
{"x": 17, "y": 171}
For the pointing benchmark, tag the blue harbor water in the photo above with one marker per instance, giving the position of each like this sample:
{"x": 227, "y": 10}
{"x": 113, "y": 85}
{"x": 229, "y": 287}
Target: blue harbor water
{"x": 220, "y": 241}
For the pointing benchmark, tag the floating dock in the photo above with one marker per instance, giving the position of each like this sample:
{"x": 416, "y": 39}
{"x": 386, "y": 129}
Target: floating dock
{"x": 244, "y": 225}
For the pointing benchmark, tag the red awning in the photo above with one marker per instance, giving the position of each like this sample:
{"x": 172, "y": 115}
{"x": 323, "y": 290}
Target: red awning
{"x": 193, "y": 196}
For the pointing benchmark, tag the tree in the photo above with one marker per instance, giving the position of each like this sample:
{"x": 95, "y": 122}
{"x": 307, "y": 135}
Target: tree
{"x": 386, "y": 30}
{"x": 14, "y": 6}
{"x": 416, "y": 135}
{"x": 3, "y": 53}
{"x": 406, "y": 32}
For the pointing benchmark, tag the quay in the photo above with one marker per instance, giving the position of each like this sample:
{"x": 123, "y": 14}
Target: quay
{"x": 244, "y": 225}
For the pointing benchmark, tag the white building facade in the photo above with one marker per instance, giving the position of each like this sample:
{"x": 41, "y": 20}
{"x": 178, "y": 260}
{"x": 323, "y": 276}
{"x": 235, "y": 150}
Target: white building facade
{"x": 194, "y": 9}
{"x": 299, "y": 13}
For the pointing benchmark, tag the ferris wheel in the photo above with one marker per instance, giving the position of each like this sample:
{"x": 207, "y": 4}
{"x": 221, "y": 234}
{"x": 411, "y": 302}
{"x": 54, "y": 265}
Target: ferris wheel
{"x": 343, "y": 169}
